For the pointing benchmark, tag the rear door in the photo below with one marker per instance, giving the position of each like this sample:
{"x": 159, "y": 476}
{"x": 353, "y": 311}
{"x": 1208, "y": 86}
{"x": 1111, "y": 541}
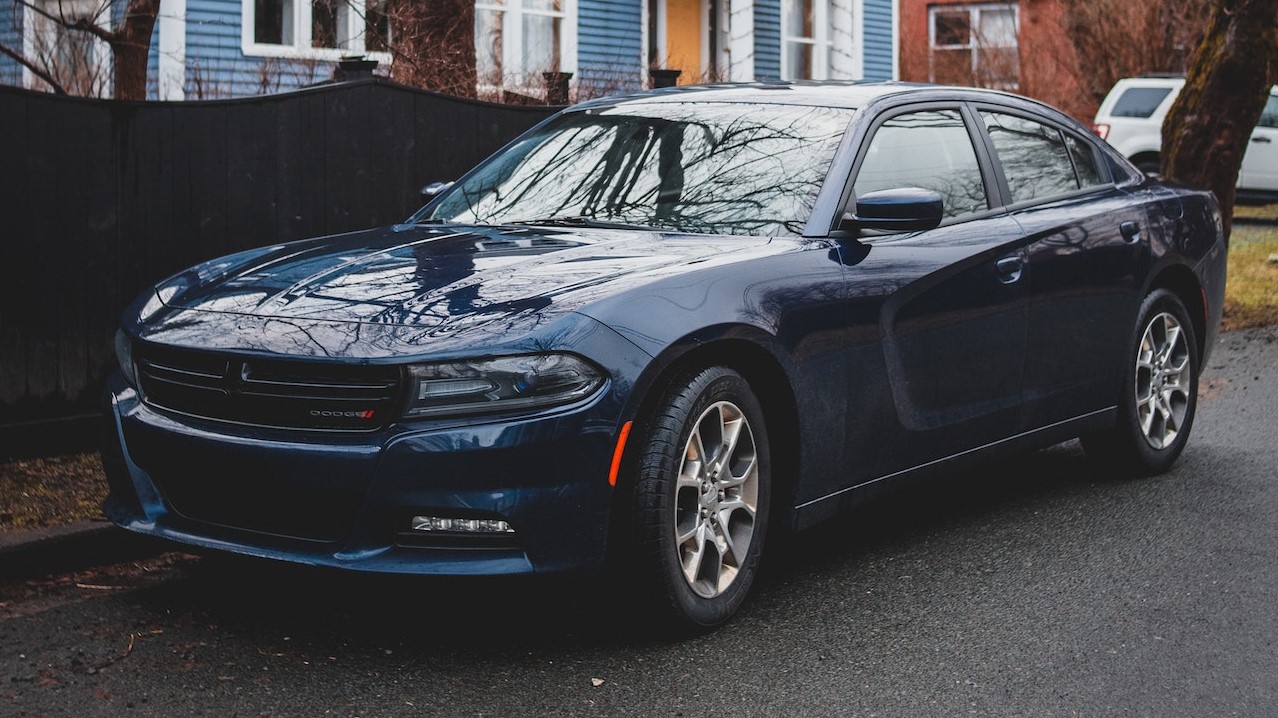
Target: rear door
{"x": 1084, "y": 255}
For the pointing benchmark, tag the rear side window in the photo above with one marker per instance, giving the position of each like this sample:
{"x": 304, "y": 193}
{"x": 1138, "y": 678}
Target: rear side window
{"x": 930, "y": 149}
{"x": 1269, "y": 118}
{"x": 1084, "y": 162}
{"x": 1139, "y": 102}
{"x": 1034, "y": 158}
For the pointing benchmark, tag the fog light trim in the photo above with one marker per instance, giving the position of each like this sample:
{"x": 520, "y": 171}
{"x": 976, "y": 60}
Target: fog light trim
{"x": 454, "y": 525}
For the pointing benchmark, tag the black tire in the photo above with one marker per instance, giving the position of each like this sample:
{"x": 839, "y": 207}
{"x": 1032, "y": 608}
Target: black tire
{"x": 662, "y": 506}
{"x": 1151, "y": 165}
{"x": 1150, "y": 434}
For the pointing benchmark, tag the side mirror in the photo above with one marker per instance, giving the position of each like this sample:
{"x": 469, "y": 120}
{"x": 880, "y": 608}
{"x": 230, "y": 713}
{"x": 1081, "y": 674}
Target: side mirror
{"x": 896, "y": 210}
{"x": 433, "y": 189}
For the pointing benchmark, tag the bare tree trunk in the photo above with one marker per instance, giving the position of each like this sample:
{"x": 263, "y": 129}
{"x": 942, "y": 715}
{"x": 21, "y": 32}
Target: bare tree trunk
{"x": 1208, "y": 128}
{"x": 434, "y": 45}
{"x": 130, "y": 47}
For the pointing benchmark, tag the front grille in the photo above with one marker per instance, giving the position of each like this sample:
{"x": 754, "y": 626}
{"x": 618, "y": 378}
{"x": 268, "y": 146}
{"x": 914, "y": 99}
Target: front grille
{"x": 268, "y": 392}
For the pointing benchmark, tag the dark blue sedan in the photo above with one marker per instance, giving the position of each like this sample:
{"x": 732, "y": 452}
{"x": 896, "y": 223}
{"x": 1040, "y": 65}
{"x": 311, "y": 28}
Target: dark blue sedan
{"x": 655, "y": 328}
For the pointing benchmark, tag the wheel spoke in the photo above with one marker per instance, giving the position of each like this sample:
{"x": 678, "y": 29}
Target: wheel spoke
{"x": 689, "y": 479}
{"x": 738, "y": 541}
{"x": 1172, "y": 336}
{"x": 731, "y": 434}
{"x": 693, "y": 557}
{"x": 696, "y": 451}
{"x": 1145, "y": 410}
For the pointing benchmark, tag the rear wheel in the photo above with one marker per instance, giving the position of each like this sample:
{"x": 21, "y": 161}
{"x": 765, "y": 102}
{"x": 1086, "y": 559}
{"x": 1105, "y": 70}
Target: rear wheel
{"x": 1151, "y": 165}
{"x": 1160, "y": 391}
{"x": 702, "y": 490}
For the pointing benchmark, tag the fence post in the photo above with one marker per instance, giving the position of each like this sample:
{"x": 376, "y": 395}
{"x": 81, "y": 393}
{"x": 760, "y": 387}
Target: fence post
{"x": 354, "y": 67}
{"x": 556, "y": 87}
{"x": 664, "y": 78}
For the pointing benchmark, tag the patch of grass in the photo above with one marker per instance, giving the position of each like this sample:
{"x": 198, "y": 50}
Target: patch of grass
{"x": 1251, "y": 294}
{"x": 1256, "y": 211}
{"x": 52, "y": 491}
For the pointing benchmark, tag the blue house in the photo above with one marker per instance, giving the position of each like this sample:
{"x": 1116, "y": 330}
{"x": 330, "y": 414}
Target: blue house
{"x": 205, "y": 49}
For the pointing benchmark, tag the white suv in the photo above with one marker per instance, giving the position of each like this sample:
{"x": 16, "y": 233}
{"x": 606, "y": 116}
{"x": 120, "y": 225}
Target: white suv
{"x": 1131, "y": 119}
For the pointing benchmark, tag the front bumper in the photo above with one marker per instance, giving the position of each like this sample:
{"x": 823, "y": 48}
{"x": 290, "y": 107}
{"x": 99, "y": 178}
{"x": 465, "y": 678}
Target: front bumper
{"x": 346, "y": 500}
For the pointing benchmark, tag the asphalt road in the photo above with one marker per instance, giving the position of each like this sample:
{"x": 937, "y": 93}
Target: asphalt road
{"x": 1032, "y": 587}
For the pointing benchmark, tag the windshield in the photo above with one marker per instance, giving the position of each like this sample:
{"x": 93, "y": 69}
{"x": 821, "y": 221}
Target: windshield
{"x": 687, "y": 167}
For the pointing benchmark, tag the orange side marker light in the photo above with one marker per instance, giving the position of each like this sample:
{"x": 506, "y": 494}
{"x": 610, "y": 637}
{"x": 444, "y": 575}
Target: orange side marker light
{"x": 617, "y": 452}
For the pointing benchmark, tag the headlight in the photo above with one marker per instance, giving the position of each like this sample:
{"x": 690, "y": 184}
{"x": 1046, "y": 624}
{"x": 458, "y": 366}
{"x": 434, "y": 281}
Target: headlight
{"x": 503, "y": 384}
{"x": 124, "y": 354}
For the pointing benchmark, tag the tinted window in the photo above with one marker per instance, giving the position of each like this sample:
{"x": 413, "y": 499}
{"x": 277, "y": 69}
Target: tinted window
{"x": 931, "y": 150}
{"x": 1269, "y": 118}
{"x": 1084, "y": 162}
{"x": 1035, "y": 161}
{"x": 1139, "y": 101}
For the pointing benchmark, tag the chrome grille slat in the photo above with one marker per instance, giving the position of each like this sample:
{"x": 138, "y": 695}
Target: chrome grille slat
{"x": 268, "y": 392}
{"x": 154, "y": 366}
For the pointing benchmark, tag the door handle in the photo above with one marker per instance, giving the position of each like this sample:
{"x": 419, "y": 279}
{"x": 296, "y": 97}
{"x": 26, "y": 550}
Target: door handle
{"x": 1131, "y": 232}
{"x": 1009, "y": 269}
{"x": 1260, "y": 138}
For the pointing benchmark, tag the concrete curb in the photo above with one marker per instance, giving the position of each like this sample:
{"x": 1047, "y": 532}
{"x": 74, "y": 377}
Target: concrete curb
{"x": 29, "y": 552}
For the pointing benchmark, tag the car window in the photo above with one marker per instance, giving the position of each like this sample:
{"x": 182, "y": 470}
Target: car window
{"x": 1084, "y": 162}
{"x": 1139, "y": 102}
{"x": 931, "y": 150}
{"x": 1035, "y": 161}
{"x": 1269, "y": 117}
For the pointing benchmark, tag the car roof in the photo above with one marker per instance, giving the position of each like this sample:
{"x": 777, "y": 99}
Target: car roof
{"x": 850, "y": 95}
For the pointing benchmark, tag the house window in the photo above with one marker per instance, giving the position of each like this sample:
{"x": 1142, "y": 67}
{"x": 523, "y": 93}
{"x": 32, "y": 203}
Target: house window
{"x": 805, "y": 39}
{"x": 818, "y": 38}
{"x": 78, "y": 61}
{"x": 517, "y": 40}
{"x": 318, "y": 29}
{"x": 974, "y": 45}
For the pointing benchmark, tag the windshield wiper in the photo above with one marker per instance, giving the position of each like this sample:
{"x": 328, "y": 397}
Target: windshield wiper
{"x": 578, "y": 220}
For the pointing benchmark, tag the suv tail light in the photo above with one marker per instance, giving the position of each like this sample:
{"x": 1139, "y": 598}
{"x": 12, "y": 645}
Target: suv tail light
{"x": 1102, "y": 131}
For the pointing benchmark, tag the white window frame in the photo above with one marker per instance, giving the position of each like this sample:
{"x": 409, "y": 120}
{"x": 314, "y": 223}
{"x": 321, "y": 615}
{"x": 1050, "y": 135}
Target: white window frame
{"x": 171, "y": 48}
{"x": 974, "y": 23}
{"x": 842, "y": 22}
{"x": 740, "y": 39}
{"x": 512, "y": 14}
{"x": 34, "y": 23}
{"x": 301, "y": 48}
{"x": 820, "y": 45}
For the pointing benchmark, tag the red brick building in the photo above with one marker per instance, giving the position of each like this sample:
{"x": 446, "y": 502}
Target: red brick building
{"x": 1019, "y": 46}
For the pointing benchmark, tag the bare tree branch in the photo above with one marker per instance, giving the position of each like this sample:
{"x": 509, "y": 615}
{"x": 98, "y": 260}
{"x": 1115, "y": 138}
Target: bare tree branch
{"x": 129, "y": 42}
{"x": 85, "y": 24}
{"x": 39, "y": 72}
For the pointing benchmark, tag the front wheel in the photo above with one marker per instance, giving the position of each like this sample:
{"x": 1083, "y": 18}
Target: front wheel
{"x": 701, "y": 495}
{"x": 1160, "y": 391}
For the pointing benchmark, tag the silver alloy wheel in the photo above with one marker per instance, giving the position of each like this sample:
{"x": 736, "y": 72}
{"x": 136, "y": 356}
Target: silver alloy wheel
{"x": 1163, "y": 380}
{"x": 716, "y": 497}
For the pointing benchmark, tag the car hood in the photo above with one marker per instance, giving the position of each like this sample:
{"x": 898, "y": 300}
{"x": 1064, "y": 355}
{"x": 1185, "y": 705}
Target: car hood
{"x": 437, "y": 282}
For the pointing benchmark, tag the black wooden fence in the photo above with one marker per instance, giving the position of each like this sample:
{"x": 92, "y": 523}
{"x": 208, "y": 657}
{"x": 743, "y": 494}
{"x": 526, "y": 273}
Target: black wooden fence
{"x": 99, "y": 199}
